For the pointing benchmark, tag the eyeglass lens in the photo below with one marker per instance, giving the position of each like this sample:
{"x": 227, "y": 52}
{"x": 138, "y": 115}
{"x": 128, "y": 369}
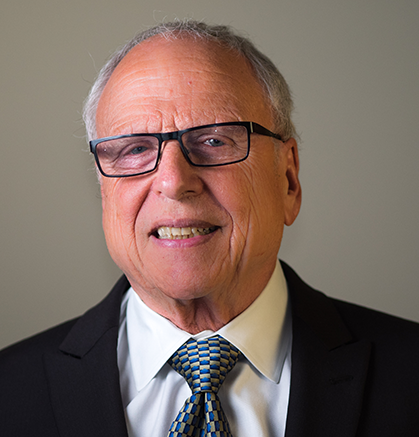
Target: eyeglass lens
{"x": 206, "y": 146}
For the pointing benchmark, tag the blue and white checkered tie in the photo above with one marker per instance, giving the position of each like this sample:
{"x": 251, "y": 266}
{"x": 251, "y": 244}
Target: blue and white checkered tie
{"x": 204, "y": 364}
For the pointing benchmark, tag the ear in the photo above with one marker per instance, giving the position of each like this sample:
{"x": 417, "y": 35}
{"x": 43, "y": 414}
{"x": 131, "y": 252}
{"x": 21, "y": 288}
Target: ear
{"x": 292, "y": 201}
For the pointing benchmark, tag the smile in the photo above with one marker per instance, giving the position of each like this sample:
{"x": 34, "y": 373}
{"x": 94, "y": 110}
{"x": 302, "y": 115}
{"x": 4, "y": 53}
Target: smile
{"x": 168, "y": 233}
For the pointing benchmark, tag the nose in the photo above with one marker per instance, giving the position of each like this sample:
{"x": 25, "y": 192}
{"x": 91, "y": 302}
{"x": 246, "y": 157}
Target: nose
{"x": 175, "y": 178}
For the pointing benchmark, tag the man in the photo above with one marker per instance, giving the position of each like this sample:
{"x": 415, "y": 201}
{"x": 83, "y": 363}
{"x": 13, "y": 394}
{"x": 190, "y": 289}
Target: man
{"x": 198, "y": 165}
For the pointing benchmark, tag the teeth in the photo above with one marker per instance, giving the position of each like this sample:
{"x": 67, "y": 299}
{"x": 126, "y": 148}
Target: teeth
{"x": 166, "y": 232}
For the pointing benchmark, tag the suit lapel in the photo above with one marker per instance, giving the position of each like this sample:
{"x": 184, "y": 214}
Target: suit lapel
{"x": 83, "y": 373}
{"x": 329, "y": 367}
{"x": 327, "y": 381}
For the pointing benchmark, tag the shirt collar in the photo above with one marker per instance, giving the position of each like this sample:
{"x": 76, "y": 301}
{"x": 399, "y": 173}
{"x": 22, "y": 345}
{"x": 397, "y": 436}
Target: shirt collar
{"x": 262, "y": 333}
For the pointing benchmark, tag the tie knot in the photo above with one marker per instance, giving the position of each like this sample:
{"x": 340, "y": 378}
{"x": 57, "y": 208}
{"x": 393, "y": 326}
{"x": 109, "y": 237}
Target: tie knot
{"x": 205, "y": 363}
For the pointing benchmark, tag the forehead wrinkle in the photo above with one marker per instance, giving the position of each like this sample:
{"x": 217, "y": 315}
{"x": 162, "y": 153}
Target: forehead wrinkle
{"x": 157, "y": 119}
{"x": 165, "y": 96}
{"x": 144, "y": 68}
{"x": 179, "y": 84}
{"x": 159, "y": 96}
{"x": 155, "y": 112}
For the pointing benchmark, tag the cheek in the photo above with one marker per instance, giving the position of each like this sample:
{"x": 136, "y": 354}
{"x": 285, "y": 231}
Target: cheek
{"x": 248, "y": 195}
{"x": 259, "y": 207}
{"x": 121, "y": 203}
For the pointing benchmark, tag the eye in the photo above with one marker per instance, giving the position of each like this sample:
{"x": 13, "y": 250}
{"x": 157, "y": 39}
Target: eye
{"x": 138, "y": 146}
{"x": 137, "y": 150}
{"x": 214, "y": 142}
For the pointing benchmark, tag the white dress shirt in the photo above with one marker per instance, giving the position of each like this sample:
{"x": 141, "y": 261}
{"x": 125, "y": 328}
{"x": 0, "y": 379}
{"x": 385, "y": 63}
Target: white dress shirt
{"x": 254, "y": 395}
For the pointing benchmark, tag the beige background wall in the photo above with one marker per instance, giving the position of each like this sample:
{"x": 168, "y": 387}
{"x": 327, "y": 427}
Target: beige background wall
{"x": 353, "y": 67}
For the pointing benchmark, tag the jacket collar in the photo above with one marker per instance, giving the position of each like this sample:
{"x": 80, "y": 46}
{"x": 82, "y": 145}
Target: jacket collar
{"x": 329, "y": 366}
{"x": 327, "y": 379}
{"x": 83, "y": 374}
{"x": 95, "y": 322}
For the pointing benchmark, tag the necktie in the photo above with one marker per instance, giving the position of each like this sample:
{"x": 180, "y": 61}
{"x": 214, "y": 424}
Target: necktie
{"x": 204, "y": 364}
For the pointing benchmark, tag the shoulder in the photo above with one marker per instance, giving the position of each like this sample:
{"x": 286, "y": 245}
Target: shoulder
{"x": 26, "y": 369}
{"x": 38, "y": 344}
{"x": 21, "y": 364}
{"x": 317, "y": 309}
{"x": 24, "y": 390}
{"x": 394, "y": 341}
{"x": 379, "y": 352}
{"x": 369, "y": 322}
{"x": 86, "y": 327}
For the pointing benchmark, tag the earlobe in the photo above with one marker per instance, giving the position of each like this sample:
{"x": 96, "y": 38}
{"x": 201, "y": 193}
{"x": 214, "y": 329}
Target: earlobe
{"x": 293, "y": 196}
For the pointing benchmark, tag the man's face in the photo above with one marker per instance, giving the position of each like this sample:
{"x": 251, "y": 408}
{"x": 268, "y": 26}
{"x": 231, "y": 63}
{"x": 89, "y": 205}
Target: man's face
{"x": 163, "y": 86}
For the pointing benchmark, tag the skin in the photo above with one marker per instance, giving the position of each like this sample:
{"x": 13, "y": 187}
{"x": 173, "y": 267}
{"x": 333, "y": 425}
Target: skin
{"x": 205, "y": 281}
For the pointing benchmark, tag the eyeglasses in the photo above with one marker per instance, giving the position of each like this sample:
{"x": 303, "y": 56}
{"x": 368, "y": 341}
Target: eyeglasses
{"x": 211, "y": 145}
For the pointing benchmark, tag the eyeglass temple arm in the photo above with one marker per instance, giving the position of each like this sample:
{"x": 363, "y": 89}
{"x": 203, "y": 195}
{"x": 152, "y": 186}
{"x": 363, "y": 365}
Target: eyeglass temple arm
{"x": 258, "y": 129}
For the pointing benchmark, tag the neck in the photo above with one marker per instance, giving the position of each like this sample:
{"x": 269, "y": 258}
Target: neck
{"x": 209, "y": 312}
{"x": 202, "y": 314}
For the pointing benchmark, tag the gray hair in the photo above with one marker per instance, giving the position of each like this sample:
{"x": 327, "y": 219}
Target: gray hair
{"x": 271, "y": 80}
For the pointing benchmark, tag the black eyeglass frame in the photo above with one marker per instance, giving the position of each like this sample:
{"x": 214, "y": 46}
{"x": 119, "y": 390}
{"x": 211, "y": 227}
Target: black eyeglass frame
{"x": 250, "y": 126}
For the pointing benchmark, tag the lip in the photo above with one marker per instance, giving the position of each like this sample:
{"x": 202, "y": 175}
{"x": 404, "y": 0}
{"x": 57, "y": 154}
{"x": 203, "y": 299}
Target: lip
{"x": 184, "y": 243}
{"x": 181, "y": 223}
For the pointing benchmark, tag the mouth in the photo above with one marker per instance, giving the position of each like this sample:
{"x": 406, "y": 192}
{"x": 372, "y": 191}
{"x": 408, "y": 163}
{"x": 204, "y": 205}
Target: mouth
{"x": 172, "y": 233}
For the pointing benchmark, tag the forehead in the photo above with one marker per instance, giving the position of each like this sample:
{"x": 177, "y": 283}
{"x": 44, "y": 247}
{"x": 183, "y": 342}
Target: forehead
{"x": 169, "y": 84}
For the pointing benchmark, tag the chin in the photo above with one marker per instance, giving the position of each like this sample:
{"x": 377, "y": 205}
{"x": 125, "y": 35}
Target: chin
{"x": 187, "y": 291}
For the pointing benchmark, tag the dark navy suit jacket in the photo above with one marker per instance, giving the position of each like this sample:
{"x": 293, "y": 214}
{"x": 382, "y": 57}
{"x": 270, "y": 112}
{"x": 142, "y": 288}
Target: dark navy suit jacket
{"x": 355, "y": 372}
